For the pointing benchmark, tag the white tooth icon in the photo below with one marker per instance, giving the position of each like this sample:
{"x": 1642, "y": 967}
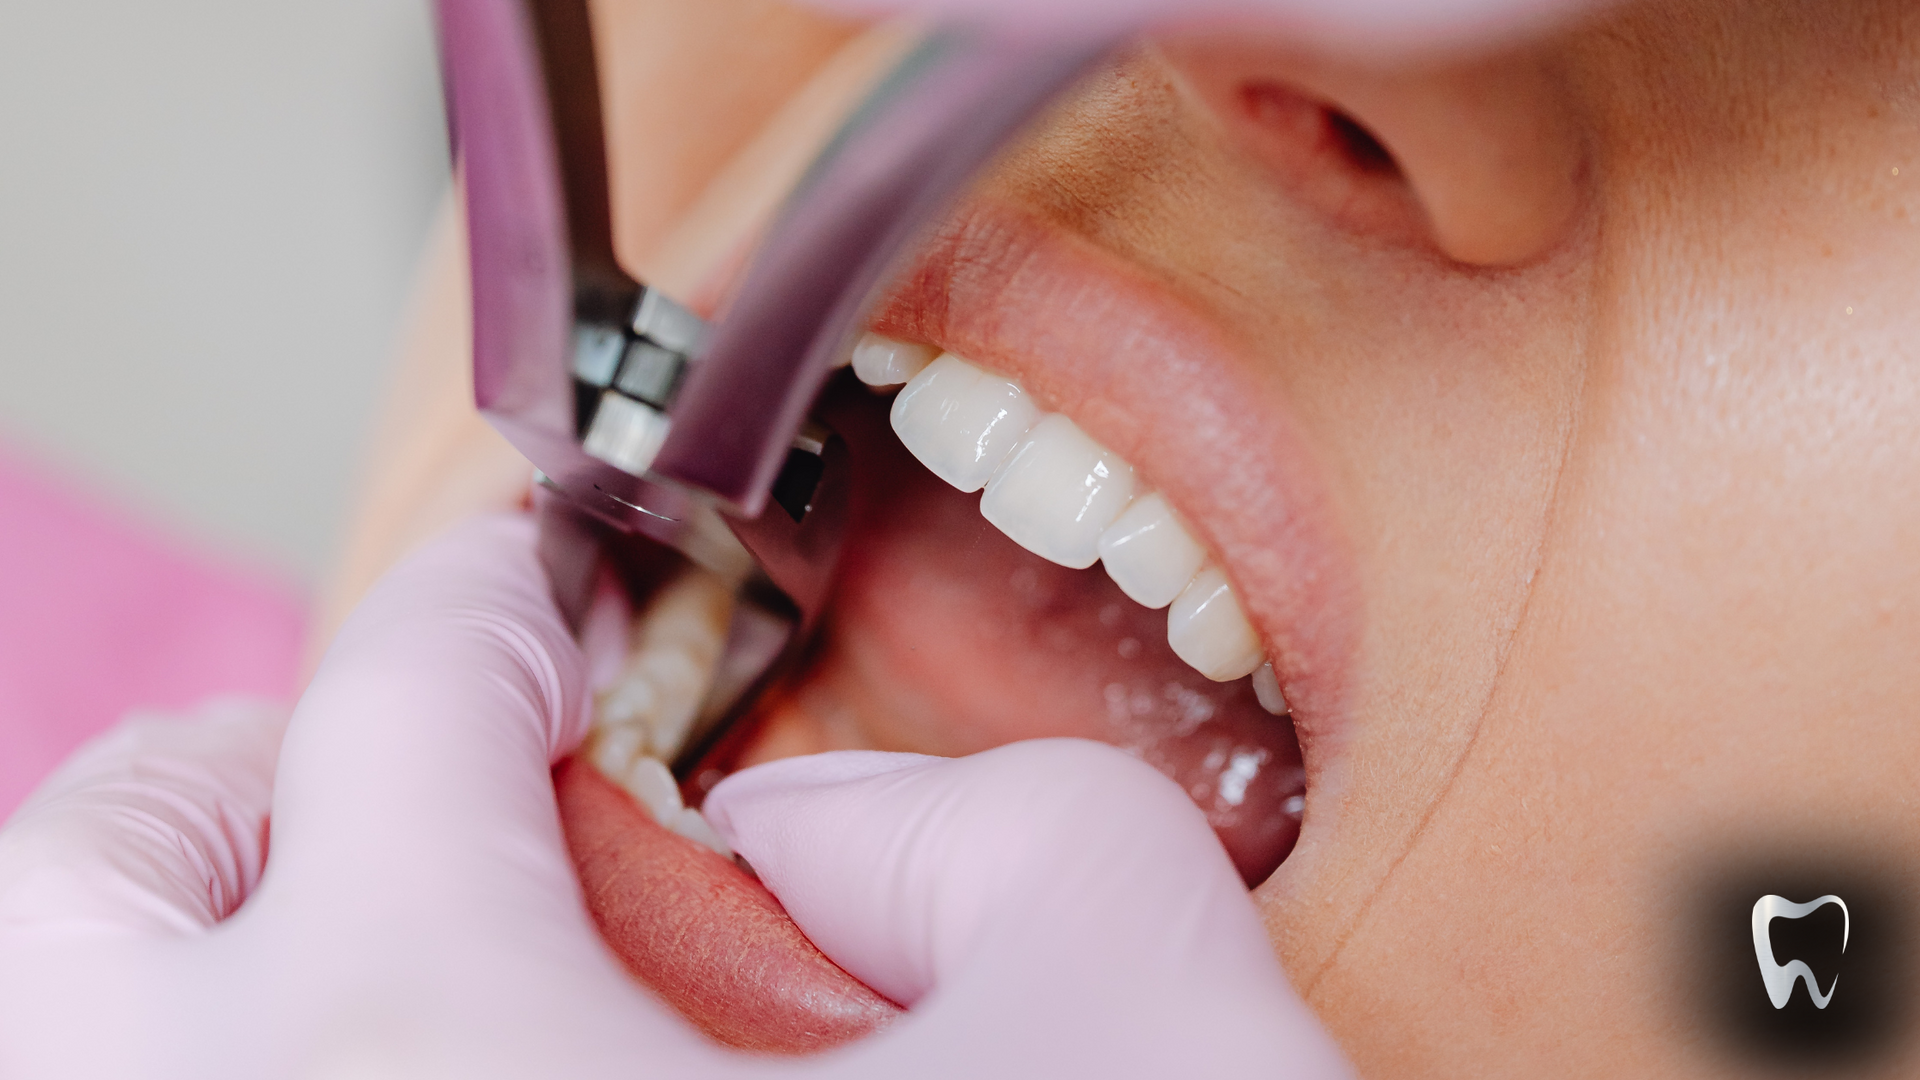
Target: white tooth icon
{"x": 1058, "y": 492}
{"x": 960, "y": 421}
{"x": 1781, "y": 977}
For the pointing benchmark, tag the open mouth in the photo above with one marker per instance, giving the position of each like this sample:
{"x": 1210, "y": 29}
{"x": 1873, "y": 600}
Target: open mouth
{"x": 1076, "y": 512}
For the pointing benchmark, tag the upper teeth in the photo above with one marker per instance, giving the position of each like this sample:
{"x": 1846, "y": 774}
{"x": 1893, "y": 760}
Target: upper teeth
{"x": 962, "y": 422}
{"x": 1056, "y": 492}
{"x": 1207, "y": 629}
{"x": 882, "y": 361}
{"x": 1148, "y": 554}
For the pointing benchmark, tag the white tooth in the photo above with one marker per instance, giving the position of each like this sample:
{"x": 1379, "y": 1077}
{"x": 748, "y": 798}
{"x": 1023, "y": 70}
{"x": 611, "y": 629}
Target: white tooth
{"x": 1149, "y": 554}
{"x": 960, "y": 421}
{"x": 882, "y": 361}
{"x": 693, "y": 825}
{"x": 652, "y": 785}
{"x": 674, "y": 647}
{"x": 1058, "y": 492}
{"x": 1208, "y": 630}
{"x": 613, "y": 749}
{"x": 1266, "y": 687}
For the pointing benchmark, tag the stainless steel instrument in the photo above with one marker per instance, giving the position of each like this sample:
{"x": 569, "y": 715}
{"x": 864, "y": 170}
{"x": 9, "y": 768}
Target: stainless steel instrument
{"x": 644, "y": 420}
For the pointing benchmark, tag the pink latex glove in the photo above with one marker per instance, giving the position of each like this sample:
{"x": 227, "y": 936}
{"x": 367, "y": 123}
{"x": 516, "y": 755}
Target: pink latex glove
{"x": 1051, "y": 908}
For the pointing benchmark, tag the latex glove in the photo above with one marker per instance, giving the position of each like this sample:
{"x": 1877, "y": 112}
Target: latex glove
{"x": 1050, "y": 908}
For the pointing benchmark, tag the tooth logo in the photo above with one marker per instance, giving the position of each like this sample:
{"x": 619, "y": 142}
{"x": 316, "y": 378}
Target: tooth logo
{"x": 1778, "y": 977}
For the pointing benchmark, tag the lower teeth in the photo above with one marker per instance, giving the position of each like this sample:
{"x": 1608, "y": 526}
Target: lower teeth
{"x": 641, "y": 718}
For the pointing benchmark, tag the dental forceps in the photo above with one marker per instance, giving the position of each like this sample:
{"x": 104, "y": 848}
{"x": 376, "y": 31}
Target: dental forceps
{"x": 641, "y": 418}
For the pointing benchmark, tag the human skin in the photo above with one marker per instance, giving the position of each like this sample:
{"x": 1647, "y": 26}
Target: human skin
{"x": 1608, "y": 384}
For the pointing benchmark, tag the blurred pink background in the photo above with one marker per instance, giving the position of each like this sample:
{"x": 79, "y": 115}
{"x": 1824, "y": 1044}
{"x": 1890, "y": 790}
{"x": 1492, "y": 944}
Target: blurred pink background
{"x": 101, "y": 613}
{"x": 211, "y": 217}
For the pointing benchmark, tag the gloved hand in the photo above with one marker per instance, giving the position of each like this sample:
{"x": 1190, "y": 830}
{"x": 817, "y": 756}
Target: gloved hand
{"x": 1050, "y": 908}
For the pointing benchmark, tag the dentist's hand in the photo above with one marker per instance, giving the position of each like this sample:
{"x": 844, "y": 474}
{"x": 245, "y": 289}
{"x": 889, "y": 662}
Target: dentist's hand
{"x": 1050, "y": 908}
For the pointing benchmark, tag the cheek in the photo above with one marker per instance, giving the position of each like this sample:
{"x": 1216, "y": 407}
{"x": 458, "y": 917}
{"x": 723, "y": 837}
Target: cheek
{"x": 1715, "y": 664}
{"x": 1439, "y": 400}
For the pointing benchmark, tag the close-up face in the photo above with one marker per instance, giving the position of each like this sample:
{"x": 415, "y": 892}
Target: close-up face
{"x": 1542, "y": 413}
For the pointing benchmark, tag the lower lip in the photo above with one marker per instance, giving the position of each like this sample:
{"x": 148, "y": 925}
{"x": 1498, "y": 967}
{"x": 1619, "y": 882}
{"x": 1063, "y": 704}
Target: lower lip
{"x": 702, "y": 934}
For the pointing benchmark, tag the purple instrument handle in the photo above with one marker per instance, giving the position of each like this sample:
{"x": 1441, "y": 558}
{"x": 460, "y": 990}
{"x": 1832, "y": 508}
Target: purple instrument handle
{"x": 950, "y": 107}
{"x": 557, "y": 324}
{"x": 524, "y": 107}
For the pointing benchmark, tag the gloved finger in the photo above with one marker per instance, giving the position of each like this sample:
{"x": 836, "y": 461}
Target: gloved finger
{"x": 417, "y": 762}
{"x": 157, "y": 826}
{"x": 1057, "y": 892}
{"x": 419, "y": 870}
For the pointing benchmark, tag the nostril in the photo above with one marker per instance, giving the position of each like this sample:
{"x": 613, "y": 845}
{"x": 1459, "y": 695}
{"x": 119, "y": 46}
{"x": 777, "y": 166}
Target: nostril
{"x": 1286, "y": 112}
{"x": 1323, "y": 157}
{"x": 1360, "y": 146}
{"x": 1481, "y": 162}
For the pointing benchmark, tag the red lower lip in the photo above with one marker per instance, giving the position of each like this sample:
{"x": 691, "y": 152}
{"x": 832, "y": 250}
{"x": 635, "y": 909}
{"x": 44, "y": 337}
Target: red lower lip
{"x": 702, "y": 934}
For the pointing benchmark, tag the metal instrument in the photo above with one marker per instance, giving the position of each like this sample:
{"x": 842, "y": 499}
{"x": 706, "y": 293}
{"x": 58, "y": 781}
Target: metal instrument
{"x": 642, "y": 419}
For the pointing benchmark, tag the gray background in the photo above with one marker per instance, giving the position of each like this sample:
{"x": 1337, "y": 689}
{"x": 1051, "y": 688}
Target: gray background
{"x": 209, "y": 215}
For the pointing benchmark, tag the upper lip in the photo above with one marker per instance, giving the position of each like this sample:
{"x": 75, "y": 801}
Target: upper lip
{"x": 1152, "y": 379}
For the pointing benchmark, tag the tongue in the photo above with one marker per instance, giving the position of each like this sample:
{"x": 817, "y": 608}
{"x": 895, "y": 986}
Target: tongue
{"x": 705, "y": 936}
